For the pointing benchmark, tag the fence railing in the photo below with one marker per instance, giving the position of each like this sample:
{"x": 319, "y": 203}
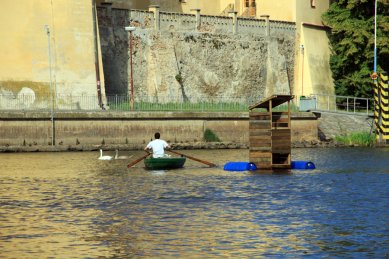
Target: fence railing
{"x": 341, "y": 104}
{"x": 121, "y": 103}
{"x": 318, "y": 102}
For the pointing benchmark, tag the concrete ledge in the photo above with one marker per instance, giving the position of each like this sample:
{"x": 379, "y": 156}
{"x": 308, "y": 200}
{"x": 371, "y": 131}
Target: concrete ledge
{"x": 123, "y": 115}
{"x": 175, "y": 146}
{"x": 143, "y": 115}
{"x": 33, "y": 131}
{"x": 305, "y": 116}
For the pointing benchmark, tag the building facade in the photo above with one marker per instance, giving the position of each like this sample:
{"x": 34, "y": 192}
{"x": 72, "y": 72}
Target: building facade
{"x": 53, "y": 48}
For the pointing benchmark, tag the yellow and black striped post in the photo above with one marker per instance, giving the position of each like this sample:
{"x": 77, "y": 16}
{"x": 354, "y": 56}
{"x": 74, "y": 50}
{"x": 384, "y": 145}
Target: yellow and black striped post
{"x": 377, "y": 108}
{"x": 381, "y": 109}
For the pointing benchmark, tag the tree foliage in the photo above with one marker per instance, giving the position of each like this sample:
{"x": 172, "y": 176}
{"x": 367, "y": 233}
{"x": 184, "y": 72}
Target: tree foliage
{"x": 352, "y": 44}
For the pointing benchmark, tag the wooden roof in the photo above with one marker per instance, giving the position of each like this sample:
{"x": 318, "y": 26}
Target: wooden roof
{"x": 275, "y": 101}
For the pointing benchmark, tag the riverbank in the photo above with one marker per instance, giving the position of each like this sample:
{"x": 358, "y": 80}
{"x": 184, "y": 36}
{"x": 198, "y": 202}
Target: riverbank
{"x": 91, "y": 131}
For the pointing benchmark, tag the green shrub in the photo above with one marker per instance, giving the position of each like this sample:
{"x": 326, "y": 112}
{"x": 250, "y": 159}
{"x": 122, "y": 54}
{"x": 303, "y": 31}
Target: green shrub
{"x": 210, "y": 136}
{"x": 358, "y": 138}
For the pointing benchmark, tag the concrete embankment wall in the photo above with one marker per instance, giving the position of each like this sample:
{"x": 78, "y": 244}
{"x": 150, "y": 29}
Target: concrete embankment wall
{"x": 83, "y": 131}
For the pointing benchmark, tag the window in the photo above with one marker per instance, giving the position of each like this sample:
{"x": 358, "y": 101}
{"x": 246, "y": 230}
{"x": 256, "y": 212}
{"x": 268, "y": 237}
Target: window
{"x": 247, "y": 3}
{"x": 253, "y": 3}
{"x": 313, "y": 3}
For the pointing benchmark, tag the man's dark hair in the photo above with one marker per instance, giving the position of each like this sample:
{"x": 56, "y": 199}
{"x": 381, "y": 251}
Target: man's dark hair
{"x": 157, "y": 135}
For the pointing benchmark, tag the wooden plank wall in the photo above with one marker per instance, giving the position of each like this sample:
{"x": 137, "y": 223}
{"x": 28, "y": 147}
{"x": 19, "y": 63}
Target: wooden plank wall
{"x": 260, "y": 126}
{"x": 270, "y": 139}
{"x": 281, "y": 140}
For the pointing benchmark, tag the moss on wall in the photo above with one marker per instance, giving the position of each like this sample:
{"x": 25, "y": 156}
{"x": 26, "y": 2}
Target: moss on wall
{"x": 41, "y": 89}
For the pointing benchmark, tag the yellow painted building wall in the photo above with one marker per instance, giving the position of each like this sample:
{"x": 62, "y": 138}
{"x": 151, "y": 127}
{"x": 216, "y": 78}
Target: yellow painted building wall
{"x": 207, "y": 7}
{"x": 316, "y": 76}
{"x": 312, "y": 72}
{"x": 168, "y": 6}
{"x": 24, "y": 62}
{"x": 305, "y": 12}
{"x": 282, "y": 10}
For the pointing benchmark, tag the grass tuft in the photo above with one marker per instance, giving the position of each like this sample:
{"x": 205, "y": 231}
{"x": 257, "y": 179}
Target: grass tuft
{"x": 364, "y": 139}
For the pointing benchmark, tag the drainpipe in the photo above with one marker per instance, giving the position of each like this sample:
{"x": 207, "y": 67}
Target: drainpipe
{"x": 52, "y": 93}
{"x": 302, "y": 69}
{"x": 96, "y": 46}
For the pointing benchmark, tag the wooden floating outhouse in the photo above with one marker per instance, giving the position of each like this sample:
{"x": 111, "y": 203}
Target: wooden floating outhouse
{"x": 270, "y": 133}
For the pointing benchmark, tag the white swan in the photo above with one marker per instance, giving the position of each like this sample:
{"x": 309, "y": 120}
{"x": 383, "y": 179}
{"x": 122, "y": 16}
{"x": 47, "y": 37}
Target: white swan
{"x": 104, "y": 157}
{"x": 121, "y": 157}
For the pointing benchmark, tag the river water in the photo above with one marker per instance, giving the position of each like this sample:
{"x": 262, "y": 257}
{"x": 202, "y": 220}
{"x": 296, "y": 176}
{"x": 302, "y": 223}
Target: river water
{"x": 71, "y": 205}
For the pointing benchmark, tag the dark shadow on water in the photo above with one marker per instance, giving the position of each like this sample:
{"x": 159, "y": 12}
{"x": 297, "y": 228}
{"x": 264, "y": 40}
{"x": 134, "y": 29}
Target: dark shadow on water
{"x": 272, "y": 172}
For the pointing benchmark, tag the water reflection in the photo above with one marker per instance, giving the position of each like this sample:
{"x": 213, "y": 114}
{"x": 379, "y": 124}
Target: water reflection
{"x": 73, "y": 205}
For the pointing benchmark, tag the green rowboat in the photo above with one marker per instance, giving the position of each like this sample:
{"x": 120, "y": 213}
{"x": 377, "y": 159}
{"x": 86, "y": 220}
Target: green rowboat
{"x": 162, "y": 163}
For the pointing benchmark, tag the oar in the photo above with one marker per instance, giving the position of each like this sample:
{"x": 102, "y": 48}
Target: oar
{"x": 193, "y": 158}
{"x": 138, "y": 160}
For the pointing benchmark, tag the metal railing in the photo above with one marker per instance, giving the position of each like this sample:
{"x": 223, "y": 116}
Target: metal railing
{"x": 342, "y": 104}
{"x": 167, "y": 103}
{"x": 317, "y": 102}
{"x": 10, "y": 102}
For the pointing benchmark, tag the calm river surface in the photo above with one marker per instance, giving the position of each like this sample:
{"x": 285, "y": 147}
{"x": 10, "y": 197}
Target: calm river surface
{"x": 71, "y": 205}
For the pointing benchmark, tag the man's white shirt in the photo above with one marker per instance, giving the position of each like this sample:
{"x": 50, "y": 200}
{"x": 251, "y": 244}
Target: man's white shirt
{"x": 158, "y": 146}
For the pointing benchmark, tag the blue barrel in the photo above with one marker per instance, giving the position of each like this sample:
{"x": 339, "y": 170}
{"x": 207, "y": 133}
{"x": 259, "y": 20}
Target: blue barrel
{"x": 240, "y": 166}
{"x": 305, "y": 165}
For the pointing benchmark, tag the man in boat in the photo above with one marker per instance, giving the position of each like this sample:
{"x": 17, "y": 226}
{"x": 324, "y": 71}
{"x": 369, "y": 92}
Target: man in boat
{"x": 157, "y": 145}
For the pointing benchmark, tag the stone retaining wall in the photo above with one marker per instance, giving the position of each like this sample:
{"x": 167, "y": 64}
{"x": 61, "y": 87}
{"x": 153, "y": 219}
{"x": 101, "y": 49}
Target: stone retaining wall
{"x": 181, "y": 63}
{"x": 128, "y": 130}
